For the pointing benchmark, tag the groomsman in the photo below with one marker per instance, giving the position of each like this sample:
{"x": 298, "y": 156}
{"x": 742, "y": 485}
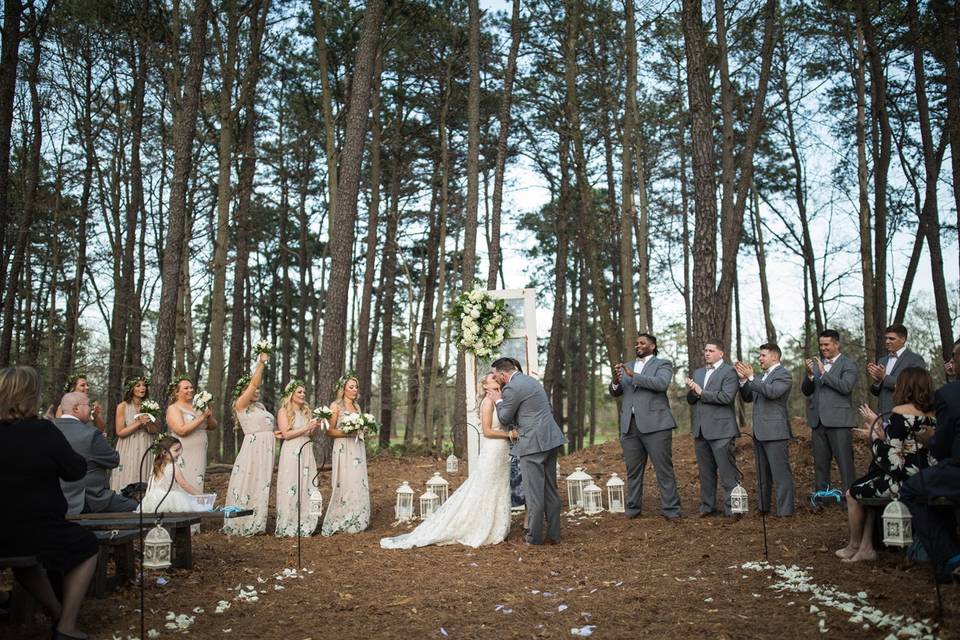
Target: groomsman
{"x": 646, "y": 425}
{"x": 829, "y": 386}
{"x": 771, "y": 425}
{"x": 883, "y": 376}
{"x": 711, "y": 392}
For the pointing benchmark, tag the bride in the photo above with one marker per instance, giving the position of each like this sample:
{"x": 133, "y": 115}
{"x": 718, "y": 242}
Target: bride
{"x": 478, "y": 513}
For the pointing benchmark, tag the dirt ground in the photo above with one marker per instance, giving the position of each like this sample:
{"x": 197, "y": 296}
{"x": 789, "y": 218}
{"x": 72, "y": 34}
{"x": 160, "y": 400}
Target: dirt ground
{"x": 612, "y": 577}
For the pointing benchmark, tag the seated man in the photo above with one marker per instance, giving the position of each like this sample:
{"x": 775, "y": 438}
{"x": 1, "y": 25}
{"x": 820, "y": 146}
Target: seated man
{"x": 936, "y": 527}
{"x": 91, "y": 494}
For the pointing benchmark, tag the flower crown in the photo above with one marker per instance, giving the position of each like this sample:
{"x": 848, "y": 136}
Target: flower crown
{"x": 346, "y": 377}
{"x": 291, "y": 387}
{"x": 172, "y": 387}
{"x": 241, "y": 384}
{"x": 133, "y": 380}
{"x": 72, "y": 381}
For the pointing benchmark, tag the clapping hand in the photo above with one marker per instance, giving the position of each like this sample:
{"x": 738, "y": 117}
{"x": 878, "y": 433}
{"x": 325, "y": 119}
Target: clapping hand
{"x": 808, "y": 363}
{"x": 694, "y": 387}
{"x": 744, "y": 370}
{"x": 870, "y": 423}
{"x": 876, "y": 372}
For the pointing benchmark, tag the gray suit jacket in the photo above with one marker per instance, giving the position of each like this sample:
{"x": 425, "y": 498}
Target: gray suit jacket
{"x": 769, "y": 397}
{"x": 645, "y": 397}
{"x": 524, "y": 405}
{"x": 884, "y": 389}
{"x": 830, "y": 396}
{"x": 92, "y": 493}
{"x": 713, "y": 417}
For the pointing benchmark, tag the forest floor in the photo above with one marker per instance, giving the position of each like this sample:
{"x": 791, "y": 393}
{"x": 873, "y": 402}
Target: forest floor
{"x": 612, "y": 577}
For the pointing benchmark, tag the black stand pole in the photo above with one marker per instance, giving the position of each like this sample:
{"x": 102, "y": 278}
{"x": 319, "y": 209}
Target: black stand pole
{"x": 300, "y": 501}
{"x": 157, "y": 518}
{"x": 763, "y": 512}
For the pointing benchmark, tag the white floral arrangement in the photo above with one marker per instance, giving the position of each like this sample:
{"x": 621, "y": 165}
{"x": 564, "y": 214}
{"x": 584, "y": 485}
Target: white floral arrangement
{"x": 358, "y": 424}
{"x": 480, "y": 322}
{"x": 151, "y": 408}
{"x": 262, "y": 346}
{"x": 201, "y": 400}
{"x": 322, "y": 414}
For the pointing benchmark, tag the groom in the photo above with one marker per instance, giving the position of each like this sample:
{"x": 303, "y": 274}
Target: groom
{"x": 524, "y": 405}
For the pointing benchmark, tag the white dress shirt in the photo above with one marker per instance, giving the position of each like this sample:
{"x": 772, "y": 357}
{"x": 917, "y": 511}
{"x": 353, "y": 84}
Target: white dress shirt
{"x": 893, "y": 358}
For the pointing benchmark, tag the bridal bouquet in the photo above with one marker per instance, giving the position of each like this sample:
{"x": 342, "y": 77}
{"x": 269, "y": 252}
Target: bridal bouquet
{"x": 480, "y": 322}
{"x": 262, "y": 346}
{"x": 201, "y": 400}
{"x": 151, "y": 408}
{"x": 323, "y": 414}
{"x": 358, "y": 424}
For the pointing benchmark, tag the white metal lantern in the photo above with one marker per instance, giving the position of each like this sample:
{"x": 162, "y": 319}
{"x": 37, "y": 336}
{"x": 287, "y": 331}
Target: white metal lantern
{"x": 404, "y": 508}
{"x": 316, "y": 503}
{"x": 615, "y": 499}
{"x": 439, "y": 486}
{"x": 156, "y": 549}
{"x": 428, "y": 504}
{"x": 576, "y": 483}
{"x": 897, "y": 525}
{"x": 592, "y": 499}
{"x": 738, "y": 500}
{"x": 453, "y": 465}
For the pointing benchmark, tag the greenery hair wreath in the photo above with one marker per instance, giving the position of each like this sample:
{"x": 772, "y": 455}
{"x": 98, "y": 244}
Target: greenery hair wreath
{"x": 346, "y": 377}
{"x": 132, "y": 381}
{"x": 238, "y": 388}
{"x": 172, "y": 387}
{"x": 72, "y": 381}
{"x": 291, "y": 387}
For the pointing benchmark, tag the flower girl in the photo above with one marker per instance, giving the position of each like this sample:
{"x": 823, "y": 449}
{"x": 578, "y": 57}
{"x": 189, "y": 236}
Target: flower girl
{"x": 166, "y": 477}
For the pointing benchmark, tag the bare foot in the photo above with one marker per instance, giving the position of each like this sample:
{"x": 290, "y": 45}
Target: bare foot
{"x": 862, "y": 555}
{"x": 846, "y": 552}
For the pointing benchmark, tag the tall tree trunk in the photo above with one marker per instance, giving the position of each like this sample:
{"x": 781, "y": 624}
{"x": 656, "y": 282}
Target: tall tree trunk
{"x": 348, "y": 188}
{"x": 866, "y": 252}
{"x": 642, "y": 229}
{"x": 364, "y": 353}
{"x": 225, "y": 144}
{"x": 627, "y": 214}
{"x": 502, "y": 149}
{"x": 329, "y": 124}
{"x": 931, "y": 168}
{"x": 9, "y": 60}
{"x": 553, "y": 376}
{"x": 184, "y": 131}
{"x": 947, "y": 16}
{"x": 762, "y": 267}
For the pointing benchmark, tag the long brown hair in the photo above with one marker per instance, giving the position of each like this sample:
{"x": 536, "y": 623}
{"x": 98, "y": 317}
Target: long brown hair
{"x": 914, "y": 386}
{"x": 131, "y": 383}
{"x": 162, "y": 447}
{"x": 19, "y": 393}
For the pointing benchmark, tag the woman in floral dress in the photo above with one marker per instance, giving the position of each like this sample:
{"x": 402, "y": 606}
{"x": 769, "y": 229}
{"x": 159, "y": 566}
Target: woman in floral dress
{"x": 898, "y": 454}
{"x": 253, "y": 469}
{"x": 190, "y": 427}
{"x": 297, "y": 467}
{"x": 134, "y": 435}
{"x": 349, "y": 508}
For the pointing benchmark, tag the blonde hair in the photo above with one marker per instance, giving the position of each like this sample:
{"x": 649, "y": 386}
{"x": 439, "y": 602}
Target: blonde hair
{"x": 481, "y": 395}
{"x": 287, "y": 405}
{"x": 19, "y": 393}
{"x": 343, "y": 387}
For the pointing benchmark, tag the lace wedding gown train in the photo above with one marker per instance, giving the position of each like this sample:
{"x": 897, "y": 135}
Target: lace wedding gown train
{"x": 478, "y": 513}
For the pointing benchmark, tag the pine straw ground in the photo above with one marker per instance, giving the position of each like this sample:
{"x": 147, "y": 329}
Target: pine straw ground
{"x": 629, "y": 578}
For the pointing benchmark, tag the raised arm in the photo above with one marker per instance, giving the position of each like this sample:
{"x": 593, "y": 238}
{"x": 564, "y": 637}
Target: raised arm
{"x": 486, "y": 421}
{"x": 246, "y": 398}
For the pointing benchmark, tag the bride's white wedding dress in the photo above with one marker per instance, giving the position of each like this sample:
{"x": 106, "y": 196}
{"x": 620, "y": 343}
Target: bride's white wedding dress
{"x": 478, "y": 513}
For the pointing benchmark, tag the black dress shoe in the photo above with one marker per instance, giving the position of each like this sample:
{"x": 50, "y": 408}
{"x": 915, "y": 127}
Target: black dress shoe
{"x": 708, "y": 514}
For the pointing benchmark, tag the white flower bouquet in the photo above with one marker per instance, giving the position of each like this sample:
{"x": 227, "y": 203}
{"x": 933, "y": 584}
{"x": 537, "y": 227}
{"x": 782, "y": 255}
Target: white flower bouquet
{"x": 201, "y": 400}
{"x": 262, "y": 346}
{"x": 358, "y": 424}
{"x": 480, "y": 322}
{"x": 322, "y": 414}
{"x": 151, "y": 408}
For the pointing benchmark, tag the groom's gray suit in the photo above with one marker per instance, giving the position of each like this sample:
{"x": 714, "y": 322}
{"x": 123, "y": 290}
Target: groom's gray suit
{"x": 524, "y": 405}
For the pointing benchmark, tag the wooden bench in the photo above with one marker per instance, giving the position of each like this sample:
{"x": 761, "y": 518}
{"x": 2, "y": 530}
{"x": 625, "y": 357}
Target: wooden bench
{"x": 881, "y": 503}
{"x": 119, "y": 545}
{"x": 22, "y": 604}
{"x": 178, "y": 526}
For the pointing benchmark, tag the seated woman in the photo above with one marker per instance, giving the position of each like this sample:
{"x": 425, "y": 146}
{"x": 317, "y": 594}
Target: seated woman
{"x": 898, "y": 454}
{"x": 168, "y": 490}
{"x": 34, "y": 457}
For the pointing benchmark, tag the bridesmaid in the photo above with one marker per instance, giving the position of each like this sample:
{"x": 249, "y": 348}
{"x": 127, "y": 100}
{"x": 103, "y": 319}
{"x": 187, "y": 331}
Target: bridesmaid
{"x": 253, "y": 469}
{"x": 190, "y": 428}
{"x": 78, "y": 382}
{"x": 349, "y": 508}
{"x": 295, "y": 424}
{"x": 134, "y": 435}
